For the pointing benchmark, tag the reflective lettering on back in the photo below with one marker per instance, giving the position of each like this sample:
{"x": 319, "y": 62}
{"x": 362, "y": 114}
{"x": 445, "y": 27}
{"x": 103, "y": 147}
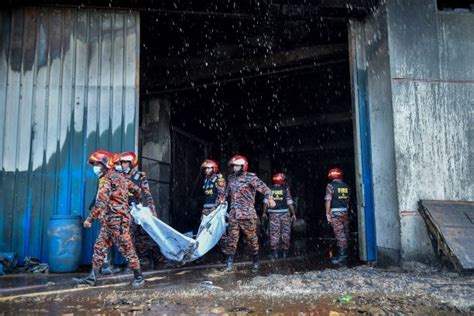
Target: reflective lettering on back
{"x": 278, "y": 195}
{"x": 343, "y": 193}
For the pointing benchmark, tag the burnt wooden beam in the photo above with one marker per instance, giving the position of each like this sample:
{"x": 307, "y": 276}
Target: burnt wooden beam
{"x": 310, "y": 120}
{"x": 242, "y": 66}
{"x": 316, "y": 148}
{"x": 324, "y": 9}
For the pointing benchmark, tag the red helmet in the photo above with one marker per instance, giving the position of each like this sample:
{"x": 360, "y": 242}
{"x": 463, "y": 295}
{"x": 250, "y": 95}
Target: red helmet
{"x": 335, "y": 173}
{"x": 131, "y": 157}
{"x": 208, "y": 163}
{"x": 239, "y": 161}
{"x": 279, "y": 178}
{"x": 101, "y": 156}
{"x": 115, "y": 158}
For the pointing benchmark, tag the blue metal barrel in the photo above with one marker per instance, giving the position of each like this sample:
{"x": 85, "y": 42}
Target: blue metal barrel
{"x": 65, "y": 239}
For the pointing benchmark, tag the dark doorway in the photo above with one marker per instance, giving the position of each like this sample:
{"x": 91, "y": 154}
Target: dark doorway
{"x": 275, "y": 89}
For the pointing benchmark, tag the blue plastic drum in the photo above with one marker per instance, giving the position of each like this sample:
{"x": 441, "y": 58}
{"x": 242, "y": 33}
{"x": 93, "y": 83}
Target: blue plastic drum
{"x": 65, "y": 240}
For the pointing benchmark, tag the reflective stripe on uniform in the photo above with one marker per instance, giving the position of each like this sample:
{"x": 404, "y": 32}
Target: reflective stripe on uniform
{"x": 278, "y": 211}
{"x": 339, "y": 209}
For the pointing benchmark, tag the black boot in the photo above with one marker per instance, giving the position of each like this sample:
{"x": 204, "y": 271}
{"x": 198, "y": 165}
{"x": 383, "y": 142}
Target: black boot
{"x": 255, "y": 264}
{"x": 138, "y": 280}
{"x": 229, "y": 263}
{"x": 108, "y": 266}
{"x": 341, "y": 258}
{"x": 91, "y": 279}
{"x": 284, "y": 254}
{"x": 274, "y": 254}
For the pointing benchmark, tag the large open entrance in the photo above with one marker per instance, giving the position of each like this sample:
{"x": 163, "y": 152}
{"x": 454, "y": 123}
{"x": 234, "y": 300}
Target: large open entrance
{"x": 275, "y": 89}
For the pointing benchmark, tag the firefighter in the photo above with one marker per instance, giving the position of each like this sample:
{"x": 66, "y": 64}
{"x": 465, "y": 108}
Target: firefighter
{"x": 147, "y": 250}
{"x": 281, "y": 216}
{"x": 241, "y": 189}
{"x": 213, "y": 190}
{"x": 112, "y": 210}
{"x": 108, "y": 266}
{"x": 213, "y": 186}
{"x": 337, "y": 212}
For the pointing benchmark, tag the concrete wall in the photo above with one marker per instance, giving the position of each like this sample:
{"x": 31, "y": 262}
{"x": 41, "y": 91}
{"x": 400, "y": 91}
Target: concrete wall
{"x": 155, "y": 140}
{"x": 432, "y": 75}
{"x": 419, "y": 77}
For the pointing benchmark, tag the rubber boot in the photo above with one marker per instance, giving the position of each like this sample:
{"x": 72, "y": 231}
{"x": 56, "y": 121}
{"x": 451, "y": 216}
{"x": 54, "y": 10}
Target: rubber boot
{"x": 138, "y": 280}
{"x": 284, "y": 254}
{"x": 91, "y": 279}
{"x": 256, "y": 264}
{"x": 229, "y": 263}
{"x": 341, "y": 258}
{"x": 108, "y": 266}
{"x": 274, "y": 254}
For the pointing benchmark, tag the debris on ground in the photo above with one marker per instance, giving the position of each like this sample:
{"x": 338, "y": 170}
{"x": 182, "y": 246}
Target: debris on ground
{"x": 347, "y": 291}
{"x": 345, "y": 299}
{"x": 33, "y": 265}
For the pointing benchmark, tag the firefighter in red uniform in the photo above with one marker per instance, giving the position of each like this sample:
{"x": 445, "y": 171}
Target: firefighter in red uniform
{"x": 281, "y": 216}
{"x": 337, "y": 212}
{"x": 241, "y": 189}
{"x": 108, "y": 266}
{"x": 147, "y": 250}
{"x": 213, "y": 186}
{"x": 213, "y": 190}
{"x": 112, "y": 210}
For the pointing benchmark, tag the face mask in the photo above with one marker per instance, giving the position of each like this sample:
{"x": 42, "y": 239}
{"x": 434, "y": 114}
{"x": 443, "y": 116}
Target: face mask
{"x": 118, "y": 168}
{"x": 126, "y": 170}
{"x": 97, "y": 170}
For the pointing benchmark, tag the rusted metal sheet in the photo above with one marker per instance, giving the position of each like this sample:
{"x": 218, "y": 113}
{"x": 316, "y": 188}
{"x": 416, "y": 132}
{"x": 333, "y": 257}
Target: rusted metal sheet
{"x": 68, "y": 86}
{"x": 451, "y": 225}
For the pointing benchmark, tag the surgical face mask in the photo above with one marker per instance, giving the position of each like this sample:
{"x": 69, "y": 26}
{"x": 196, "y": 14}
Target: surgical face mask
{"x": 126, "y": 170}
{"x": 97, "y": 170}
{"x": 118, "y": 168}
{"x": 236, "y": 168}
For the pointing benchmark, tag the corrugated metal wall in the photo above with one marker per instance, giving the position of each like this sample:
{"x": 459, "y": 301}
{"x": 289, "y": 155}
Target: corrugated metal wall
{"x": 68, "y": 86}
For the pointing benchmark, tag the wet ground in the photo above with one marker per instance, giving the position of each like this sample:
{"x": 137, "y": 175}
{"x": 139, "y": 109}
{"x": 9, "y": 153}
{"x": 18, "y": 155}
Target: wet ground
{"x": 297, "y": 286}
